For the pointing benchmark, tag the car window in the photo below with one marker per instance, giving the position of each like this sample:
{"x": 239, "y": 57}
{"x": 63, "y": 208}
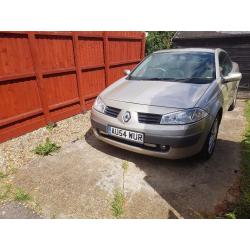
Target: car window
{"x": 192, "y": 67}
{"x": 225, "y": 64}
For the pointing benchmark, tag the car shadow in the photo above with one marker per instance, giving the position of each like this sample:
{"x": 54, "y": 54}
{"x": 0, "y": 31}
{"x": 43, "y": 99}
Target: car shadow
{"x": 195, "y": 188}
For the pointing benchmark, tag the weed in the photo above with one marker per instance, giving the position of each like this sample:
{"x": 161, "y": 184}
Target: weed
{"x": 2, "y": 175}
{"x": 242, "y": 209}
{"x": 125, "y": 169}
{"x": 50, "y": 126}
{"x": 53, "y": 216}
{"x": 21, "y": 195}
{"x": 230, "y": 215}
{"x": 117, "y": 204}
{"x": 125, "y": 166}
{"x": 46, "y": 148}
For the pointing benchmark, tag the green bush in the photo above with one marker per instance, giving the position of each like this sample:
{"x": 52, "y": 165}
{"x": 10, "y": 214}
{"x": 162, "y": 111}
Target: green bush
{"x": 157, "y": 40}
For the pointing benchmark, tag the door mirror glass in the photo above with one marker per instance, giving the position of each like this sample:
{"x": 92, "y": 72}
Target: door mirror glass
{"x": 126, "y": 72}
{"x": 232, "y": 77}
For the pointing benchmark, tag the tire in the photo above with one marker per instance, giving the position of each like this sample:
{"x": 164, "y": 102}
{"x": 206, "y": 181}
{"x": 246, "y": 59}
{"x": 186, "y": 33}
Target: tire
{"x": 209, "y": 145}
{"x": 232, "y": 106}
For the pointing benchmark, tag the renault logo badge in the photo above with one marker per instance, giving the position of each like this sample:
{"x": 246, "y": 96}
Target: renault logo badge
{"x": 126, "y": 116}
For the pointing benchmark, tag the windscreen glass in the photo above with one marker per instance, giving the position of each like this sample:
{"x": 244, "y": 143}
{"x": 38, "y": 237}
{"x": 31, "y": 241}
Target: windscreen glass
{"x": 190, "y": 67}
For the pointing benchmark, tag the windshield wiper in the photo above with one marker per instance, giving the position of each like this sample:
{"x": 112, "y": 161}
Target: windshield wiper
{"x": 194, "y": 78}
{"x": 159, "y": 79}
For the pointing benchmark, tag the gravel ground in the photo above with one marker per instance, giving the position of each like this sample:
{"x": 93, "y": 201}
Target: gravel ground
{"x": 17, "y": 152}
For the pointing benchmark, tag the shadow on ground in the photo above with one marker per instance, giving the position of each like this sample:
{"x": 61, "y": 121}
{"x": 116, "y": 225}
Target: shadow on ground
{"x": 193, "y": 187}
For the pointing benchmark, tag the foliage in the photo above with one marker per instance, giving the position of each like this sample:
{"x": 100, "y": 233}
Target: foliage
{"x": 21, "y": 195}
{"x": 230, "y": 215}
{"x": 2, "y": 175}
{"x": 243, "y": 208}
{"x": 46, "y": 148}
{"x": 125, "y": 166}
{"x": 50, "y": 126}
{"x": 157, "y": 40}
{"x": 117, "y": 204}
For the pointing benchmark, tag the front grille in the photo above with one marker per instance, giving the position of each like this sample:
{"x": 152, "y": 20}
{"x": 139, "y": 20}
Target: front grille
{"x": 149, "y": 118}
{"x": 114, "y": 112}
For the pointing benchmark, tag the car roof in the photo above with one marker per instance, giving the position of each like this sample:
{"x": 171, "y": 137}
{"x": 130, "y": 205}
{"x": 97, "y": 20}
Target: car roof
{"x": 186, "y": 50}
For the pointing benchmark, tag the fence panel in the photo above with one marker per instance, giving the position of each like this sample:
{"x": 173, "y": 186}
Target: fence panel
{"x": 49, "y": 76}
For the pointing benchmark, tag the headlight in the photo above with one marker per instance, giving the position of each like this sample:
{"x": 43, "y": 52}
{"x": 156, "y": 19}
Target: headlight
{"x": 99, "y": 105}
{"x": 184, "y": 116}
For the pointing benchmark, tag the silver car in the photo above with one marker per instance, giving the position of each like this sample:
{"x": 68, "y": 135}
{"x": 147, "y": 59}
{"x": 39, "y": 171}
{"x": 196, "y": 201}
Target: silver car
{"x": 170, "y": 105}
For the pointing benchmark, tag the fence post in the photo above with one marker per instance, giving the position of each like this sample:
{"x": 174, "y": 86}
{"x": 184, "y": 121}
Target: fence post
{"x": 39, "y": 76}
{"x": 78, "y": 71}
{"x": 106, "y": 57}
{"x": 143, "y": 41}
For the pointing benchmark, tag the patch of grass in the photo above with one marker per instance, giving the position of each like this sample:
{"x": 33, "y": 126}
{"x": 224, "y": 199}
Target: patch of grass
{"x": 21, "y": 195}
{"x": 117, "y": 205}
{"x": 47, "y": 148}
{"x": 242, "y": 209}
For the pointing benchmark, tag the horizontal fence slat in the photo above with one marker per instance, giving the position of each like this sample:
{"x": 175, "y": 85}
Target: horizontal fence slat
{"x": 17, "y": 77}
{"x": 58, "y": 71}
{"x": 92, "y": 67}
{"x": 20, "y": 117}
{"x": 91, "y": 96}
{"x": 63, "y": 104}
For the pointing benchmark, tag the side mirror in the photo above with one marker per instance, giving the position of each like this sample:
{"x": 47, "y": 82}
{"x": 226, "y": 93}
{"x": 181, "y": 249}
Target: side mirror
{"x": 232, "y": 77}
{"x": 126, "y": 72}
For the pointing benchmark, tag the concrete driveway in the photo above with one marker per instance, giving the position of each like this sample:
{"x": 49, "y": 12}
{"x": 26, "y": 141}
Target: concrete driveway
{"x": 80, "y": 180}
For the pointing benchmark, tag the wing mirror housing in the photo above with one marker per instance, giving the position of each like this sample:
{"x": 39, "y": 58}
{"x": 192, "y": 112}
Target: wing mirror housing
{"x": 232, "y": 77}
{"x": 126, "y": 72}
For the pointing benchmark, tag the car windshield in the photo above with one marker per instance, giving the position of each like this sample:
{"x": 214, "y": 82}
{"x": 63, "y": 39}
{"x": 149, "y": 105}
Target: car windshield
{"x": 190, "y": 67}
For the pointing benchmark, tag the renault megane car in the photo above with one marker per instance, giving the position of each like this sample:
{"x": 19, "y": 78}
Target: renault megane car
{"x": 170, "y": 105}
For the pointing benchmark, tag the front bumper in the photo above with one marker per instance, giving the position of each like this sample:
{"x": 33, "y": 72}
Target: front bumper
{"x": 180, "y": 141}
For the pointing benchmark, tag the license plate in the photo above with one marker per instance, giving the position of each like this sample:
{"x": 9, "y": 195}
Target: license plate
{"x": 126, "y": 134}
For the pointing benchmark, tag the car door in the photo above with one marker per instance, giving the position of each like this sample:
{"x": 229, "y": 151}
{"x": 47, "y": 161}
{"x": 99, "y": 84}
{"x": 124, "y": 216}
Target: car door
{"x": 228, "y": 88}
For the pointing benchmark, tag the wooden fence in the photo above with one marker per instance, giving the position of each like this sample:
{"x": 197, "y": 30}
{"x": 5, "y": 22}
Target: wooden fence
{"x": 48, "y": 76}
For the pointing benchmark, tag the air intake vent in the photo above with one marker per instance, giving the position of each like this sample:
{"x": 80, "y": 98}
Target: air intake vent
{"x": 149, "y": 118}
{"x": 114, "y": 112}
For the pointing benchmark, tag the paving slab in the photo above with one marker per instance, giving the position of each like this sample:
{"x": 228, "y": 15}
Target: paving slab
{"x": 80, "y": 180}
{"x": 16, "y": 210}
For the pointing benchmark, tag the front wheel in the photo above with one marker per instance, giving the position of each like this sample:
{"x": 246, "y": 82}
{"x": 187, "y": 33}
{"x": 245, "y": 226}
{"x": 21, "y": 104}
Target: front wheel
{"x": 208, "y": 148}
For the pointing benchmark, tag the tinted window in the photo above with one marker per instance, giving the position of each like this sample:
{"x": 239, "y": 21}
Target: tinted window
{"x": 225, "y": 64}
{"x": 193, "y": 67}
